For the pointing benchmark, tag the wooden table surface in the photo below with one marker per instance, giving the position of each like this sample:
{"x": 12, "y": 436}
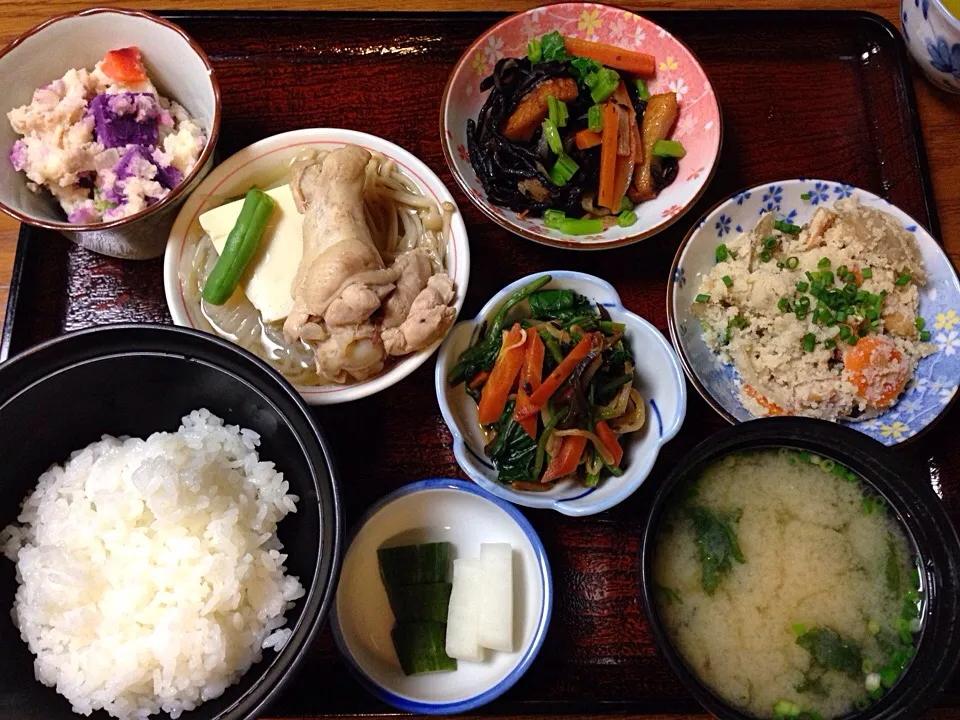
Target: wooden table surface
{"x": 939, "y": 112}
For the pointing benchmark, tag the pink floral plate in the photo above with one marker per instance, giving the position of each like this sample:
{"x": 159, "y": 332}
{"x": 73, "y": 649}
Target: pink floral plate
{"x": 698, "y": 127}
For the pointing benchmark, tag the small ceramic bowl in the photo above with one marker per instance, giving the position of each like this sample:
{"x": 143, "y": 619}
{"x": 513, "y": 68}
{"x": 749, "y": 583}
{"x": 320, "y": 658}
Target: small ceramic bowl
{"x": 177, "y": 66}
{"x": 433, "y": 511}
{"x": 264, "y": 163}
{"x": 699, "y": 125}
{"x": 935, "y": 385}
{"x": 660, "y": 383}
{"x": 933, "y": 38}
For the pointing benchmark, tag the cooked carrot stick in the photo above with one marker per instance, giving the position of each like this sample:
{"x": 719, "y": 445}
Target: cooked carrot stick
{"x": 556, "y": 378}
{"x": 479, "y": 379}
{"x": 587, "y": 138}
{"x": 531, "y": 375}
{"x": 610, "y": 441}
{"x": 566, "y": 459}
{"x": 608, "y": 158}
{"x": 493, "y": 397}
{"x": 629, "y": 61}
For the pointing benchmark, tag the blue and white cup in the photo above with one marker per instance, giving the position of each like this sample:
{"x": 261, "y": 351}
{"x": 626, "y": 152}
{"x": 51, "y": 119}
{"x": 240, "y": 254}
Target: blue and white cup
{"x": 932, "y": 34}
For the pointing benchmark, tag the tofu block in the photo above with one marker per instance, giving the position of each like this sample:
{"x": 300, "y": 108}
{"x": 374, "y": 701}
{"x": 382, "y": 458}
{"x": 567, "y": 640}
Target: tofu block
{"x": 463, "y": 615}
{"x": 268, "y": 279}
{"x": 496, "y": 597}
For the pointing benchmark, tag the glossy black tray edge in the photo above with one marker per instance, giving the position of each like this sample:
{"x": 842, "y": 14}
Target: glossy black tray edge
{"x": 29, "y": 246}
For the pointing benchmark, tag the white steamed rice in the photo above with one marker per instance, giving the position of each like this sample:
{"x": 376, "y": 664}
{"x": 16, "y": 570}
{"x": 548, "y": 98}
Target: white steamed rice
{"x": 150, "y": 573}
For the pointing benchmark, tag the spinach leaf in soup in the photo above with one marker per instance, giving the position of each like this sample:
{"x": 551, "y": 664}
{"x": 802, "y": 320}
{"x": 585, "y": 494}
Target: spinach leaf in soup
{"x": 716, "y": 541}
{"x": 513, "y": 451}
{"x": 560, "y": 305}
{"x": 892, "y": 569}
{"x": 829, "y": 650}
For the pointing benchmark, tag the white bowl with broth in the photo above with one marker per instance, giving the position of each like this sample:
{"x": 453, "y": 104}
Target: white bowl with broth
{"x": 266, "y": 164}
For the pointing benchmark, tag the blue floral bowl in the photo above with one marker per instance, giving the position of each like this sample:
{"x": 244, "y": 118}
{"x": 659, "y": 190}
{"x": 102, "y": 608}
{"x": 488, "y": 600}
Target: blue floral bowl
{"x": 933, "y": 37}
{"x": 934, "y": 386}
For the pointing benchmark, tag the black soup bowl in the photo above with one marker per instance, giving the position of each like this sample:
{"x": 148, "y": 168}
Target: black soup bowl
{"x": 908, "y": 496}
{"x": 136, "y": 380}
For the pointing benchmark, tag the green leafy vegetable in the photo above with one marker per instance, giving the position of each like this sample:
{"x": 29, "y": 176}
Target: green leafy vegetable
{"x": 483, "y": 355}
{"x": 582, "y": 67}
{"x": 562, "y": 305}
{"x": 512, "y": 450}
{"x": 668, "y": 596}
{"x": 830, "y": 651}
{"x": 716, "y": 542}
{"x": 553, "y": 47}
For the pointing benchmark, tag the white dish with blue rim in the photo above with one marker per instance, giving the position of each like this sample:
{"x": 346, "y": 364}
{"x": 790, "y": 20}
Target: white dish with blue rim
{"x": 434, "y": 511}
{"x": 935, "y": 384}
{"x": 660, "y": 382}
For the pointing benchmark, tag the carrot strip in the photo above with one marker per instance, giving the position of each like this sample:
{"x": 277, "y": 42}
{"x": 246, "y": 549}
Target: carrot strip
{"x": 556, "y": 378}
{"x": 608, "y": 159}
{"x": 493, "y": 398}
{"x": 479, "y": 379}
{"x": 566, "y": 459}
{"x": 587, "y": 138}
{"x": 530, "y": 375}
{"x": 610, "y": 441}
{"x": 629, "y": 61}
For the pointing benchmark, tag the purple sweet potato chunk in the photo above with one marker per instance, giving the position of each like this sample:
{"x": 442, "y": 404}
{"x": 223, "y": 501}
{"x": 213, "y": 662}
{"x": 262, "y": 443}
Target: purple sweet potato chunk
{"x": 135, "y": 156}
{"x": 18, "y": 155}
{"x": 83, "y": 215}
{"x": 125, "y": 119}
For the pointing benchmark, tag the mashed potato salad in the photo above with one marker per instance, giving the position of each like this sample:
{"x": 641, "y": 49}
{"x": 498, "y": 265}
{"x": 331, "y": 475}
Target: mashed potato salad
{"x": 150, "y": 574}
{"x": 821, "y": 320}
{"x": 104, "y": 142}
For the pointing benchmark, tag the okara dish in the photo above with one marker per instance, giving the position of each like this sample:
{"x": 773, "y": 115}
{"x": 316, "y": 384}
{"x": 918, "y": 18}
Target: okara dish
{"x": 350, "y": 272}
{"x": 555, "y": 392}
{"x": 572, "y": 130}
{"x": 820, "y": 320}
{"x": 104, "y": 143}
{"x": 787, "y": 586}
{"x": 151, "y": 577}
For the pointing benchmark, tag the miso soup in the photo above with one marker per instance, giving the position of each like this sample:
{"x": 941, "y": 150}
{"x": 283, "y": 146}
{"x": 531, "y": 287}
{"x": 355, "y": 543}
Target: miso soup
{"x": 787, "y": 585}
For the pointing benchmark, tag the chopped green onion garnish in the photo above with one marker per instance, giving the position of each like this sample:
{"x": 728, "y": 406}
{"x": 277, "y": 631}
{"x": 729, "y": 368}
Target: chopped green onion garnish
{"x": 800, "y": 312}
{"x": 829, "y": 343}
{"x": 668, "y": 148}
{"x": 534, "y": 50}
{"x": 785, "y": 227}
{"x": 576, "y": 226}
{"x": 552, "y": 136}
{"x": 803, "y": 286}
{"x": 626, "y": 218}
{"x": 853, "y": 340}
{"x": 823, "y": 263}
{"x": 765, "y": 256}
{"x": 780, "y": 265}
{"x": 552, "y": 218}
{"x": 842, "y": 272}
{"x": 595, "y": 118}
{"x": 642, "y": 90}
{"x": 826, "y": 277}
{"x": 845, "y": 332}
{"x": 924, "y": 336}
{"x": 564, "y": 169}
{"x": 903, "y": 279}
{"x": 809, "y": 342}
{"x": 875, "y": 323}
{"x": 701, "y": 298}
{"x": 792, "y": 262}
{"x": 804, "y": 196}
{"x": 783, "y": 304}
{"x": 803, "y": 301}
{"x": 919, "y": 323}
{"x": 722, "y": 252}
{"x": 727, "y": 280}
{"x": 867, "y": 273}
{"x": 557, "y": 111}
{"x": 769, "y": 243}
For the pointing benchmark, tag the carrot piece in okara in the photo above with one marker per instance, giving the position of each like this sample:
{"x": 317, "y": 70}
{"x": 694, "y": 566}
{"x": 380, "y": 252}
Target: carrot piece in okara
{"x": 493, "y": 397}
{"x": 566, "y": 459}
{"x": 630, "y": 61}
{"x": 556, "y": 378}
{"x": 124, "y": 65}
{"x": 610, "y": 441}
{"x": 876, "y": 367}
{"x": 608, "y": 159}
{"x": 531, "y": 375}
{"x": 587, "y": 138}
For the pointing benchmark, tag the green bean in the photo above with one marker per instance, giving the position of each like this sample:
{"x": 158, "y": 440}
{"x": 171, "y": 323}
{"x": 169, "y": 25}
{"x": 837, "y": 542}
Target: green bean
{"x": 240, "y": 247}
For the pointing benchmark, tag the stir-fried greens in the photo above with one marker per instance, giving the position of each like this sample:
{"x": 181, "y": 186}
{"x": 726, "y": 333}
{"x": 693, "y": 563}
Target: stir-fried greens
{"x": 572, "y": 132}
{"x": 555, "y": 392}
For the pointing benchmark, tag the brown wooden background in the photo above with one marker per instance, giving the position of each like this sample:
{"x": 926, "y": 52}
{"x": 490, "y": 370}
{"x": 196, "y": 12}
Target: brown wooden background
{"x": 940, "y": 113}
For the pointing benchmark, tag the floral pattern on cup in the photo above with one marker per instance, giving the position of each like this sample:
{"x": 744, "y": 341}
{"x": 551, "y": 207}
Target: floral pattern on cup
{"x": 932, "y": 35}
